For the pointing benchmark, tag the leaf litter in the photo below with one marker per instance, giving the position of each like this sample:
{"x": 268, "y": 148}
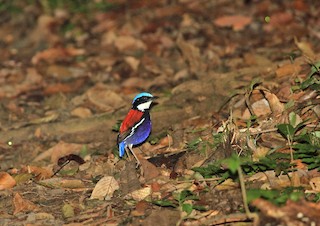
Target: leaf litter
{"x": 239, "y": 105}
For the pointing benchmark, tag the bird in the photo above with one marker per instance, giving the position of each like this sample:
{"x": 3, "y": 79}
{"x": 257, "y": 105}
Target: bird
{"x": 136, "y": 126}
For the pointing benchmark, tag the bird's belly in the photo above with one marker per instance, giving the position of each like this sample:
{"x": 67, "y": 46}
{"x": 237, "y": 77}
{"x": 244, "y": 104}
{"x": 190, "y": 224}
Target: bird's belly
{"x": 140, "y": 134}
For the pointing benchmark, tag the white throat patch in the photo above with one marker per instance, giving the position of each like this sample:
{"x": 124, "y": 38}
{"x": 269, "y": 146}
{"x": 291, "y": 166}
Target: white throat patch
{"x": 144, "y": 106}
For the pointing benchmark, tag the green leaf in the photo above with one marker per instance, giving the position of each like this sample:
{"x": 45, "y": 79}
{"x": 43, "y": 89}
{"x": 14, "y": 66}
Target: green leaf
{"x": 275, "y": 196}
{"x": 233, "y": 163}
{"x": 253, "y": 194}
{"x": 312, "y": 81}
{"x": 23, "y": 178}
{"x": 304, "y": 148}
{"x": 83, "y": 151}
{"x": 308, "y": 82}
{"x": 316, "y": 134}
{"x": 183, "y": 195}
{"x": 295, "y": 196}
{"x": 315, "y": 86}
{"x": 67, "y": 210}
{"x": 200, "y": 208}
{"x": 286, "y": 130}
{"x": 186, "y": 207}
{"x": 186, "y": 195}
{"x": 315, "y": 68}
{"x": 209, "y": 171}
{"x": 194, "y": 144}
{"x": 164, "y": 203}
{"x": 294, "y": 119}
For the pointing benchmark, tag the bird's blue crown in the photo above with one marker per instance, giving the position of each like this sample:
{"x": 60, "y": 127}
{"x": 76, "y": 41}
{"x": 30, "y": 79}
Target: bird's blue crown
{"x": 144, "y": 94}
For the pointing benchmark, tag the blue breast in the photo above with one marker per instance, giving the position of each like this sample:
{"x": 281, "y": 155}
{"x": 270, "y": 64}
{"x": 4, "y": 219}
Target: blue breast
{"x": 140, "y": 133}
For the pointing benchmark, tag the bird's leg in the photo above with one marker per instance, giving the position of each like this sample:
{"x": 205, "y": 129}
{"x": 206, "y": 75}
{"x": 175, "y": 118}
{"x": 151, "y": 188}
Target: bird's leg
{"x": 138, "y": 162}
{"x": 128, "y": 153}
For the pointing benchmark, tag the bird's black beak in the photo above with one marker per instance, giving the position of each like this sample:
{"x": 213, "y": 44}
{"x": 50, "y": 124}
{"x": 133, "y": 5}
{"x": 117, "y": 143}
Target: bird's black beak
{"x": 154, "y": 103}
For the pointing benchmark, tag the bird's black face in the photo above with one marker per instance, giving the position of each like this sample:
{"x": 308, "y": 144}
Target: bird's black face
{"x": 143, "y": 103}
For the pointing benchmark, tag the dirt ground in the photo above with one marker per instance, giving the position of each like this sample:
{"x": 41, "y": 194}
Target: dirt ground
{"x": 227, "y": 74}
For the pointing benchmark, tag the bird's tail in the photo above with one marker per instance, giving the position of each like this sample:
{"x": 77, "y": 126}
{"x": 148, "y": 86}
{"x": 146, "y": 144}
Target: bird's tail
{"x": 122, "y": 149}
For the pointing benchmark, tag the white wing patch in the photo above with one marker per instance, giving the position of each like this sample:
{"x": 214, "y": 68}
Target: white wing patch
{"x": 134, "y": 128}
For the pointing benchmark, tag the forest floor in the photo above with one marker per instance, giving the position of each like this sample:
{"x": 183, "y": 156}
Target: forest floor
{"x": 235, "y": 138}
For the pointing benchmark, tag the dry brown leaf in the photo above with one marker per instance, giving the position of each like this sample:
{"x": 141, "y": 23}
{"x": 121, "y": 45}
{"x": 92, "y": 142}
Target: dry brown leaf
{"x": 187, "y": 20}
{"x": 261, "y": 176}
{"x": 226, "y": 185}
{"x": 81, "y": 112}
{"x": 261, "y": 108}
{"x": 295, "y": 179}
{"x": 33, "y": 80}
{"x": 315, "y": 184}
{"x": 59, "y": 72}
{"x": 196, "y": 87}
{"x": 155, "y": 186}
{"x": 159, "y": 81}
{"x": 6, "y": 181}
{"x": 168, "y": 11}
{"x": 259, "y": 153}
{"x": 192, "y": 56}
{"x": 133, "y": 62}
{"x": 40, "y": 217}
{"x": 44, "y": 30}
{"x": 150, "y": 171}
{"x": 281, "y": 18}
{"x": 299, "y": 164}
{"x": 104, "y": 24}
{"x": 276, "y": 106}
{"x": 135, "y": 82}
{"x": 108, "y": 38}
{"x": 141, "y": 208}
{"x": 277, "y": 182}
{"x": 171, "y": 187}
{"x": 161, "y": 147}
{"x": 251, "y": 144}
{"x": 41, "y": 173}
{"x": 256, "y": 59}
{"x": 59, "y": 150}
{"x": 14, "y": 108}
{"x": 38, "y": 132}
{"x": 243, "y": 115}
{"x": 105, "y": 188}
{"x": 166, "y": 41}
{"x": 289, "y": 214}
{"x": 64, "y": 87}
{"x": 124, "y": 43}
{"x": 181, "y": 75}
{"x": 237, "y": 22}
{"x": 22, "y": 205}
{"x": 301, "y": 5}
{"x": 71, "y": 183}
{"x": 166, "y": 141}
{"x": 140, "y": 194}
{"x": 63, "y": 183}
{"x": 288, "y": 70}
{"x": 272, "y": 140}
{"x": 306, "y": 49}
{"x": 56, "y": 54}
{"x": 50, "y": 116}
{"x": 104, "y": 98}
{"x": 151, "y": 65}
